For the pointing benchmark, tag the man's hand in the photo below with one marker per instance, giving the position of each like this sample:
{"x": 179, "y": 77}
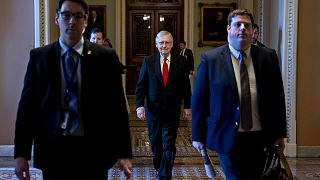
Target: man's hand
{"x": 22, "y": 168}
{"x": 198, "y": 145}
{"x": 280, "y": 142}
{"x": 141, "y": 113}
{"x": 186, "y": 113}
{"x": 126, "y": 166}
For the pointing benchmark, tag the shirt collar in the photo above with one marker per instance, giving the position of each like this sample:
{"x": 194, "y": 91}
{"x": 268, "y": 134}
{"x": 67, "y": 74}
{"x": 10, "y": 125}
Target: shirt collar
{"x": 78, "y": 47}
{"x": 236, "y": 53}
{"x": 168, "y": 58}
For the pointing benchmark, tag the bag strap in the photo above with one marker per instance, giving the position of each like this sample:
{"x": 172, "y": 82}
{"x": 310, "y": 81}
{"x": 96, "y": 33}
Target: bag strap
{"x": 272, "y": 160}
{"x": 285, "y": 164}
{"x": 268, "y": 162}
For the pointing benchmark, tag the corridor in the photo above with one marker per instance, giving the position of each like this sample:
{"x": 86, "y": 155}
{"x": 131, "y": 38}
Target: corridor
{"x": 188, "y": 163}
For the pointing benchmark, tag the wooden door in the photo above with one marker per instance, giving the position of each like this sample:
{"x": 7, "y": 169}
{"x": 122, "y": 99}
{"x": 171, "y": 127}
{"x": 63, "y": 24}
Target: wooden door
{"x": 143, "y": 26}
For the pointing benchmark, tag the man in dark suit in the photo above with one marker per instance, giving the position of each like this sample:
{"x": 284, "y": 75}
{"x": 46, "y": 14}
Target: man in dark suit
{"x": 94, "y": 21}
{"x": 220, "y": 96}
{"x": 164, "y": 83}
{"x": 67, "y": 117}
{"x": 96, "y": 36}
{"x": 255, "y": 36}
{"x": 187, "y": 53}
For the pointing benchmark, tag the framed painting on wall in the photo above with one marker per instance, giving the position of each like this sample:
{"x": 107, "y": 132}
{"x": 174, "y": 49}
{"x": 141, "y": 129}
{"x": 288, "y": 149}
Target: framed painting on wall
{"x": 96, "y": 19}
{"x": 213, "y": 23}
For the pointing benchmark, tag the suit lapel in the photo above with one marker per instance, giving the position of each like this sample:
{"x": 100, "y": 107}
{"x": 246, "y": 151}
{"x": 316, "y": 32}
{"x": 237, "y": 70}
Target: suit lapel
{"x": 226, "y": 54}
{"x": 87, "y": 48}
{"x": 85, "y": 58}
{"x": 53, "y": 66}
{"x": 173, "y": 63}
{"x": 255, "y": 62}
{"x": 157, "y": 66}
{"x": 54, "y": 82}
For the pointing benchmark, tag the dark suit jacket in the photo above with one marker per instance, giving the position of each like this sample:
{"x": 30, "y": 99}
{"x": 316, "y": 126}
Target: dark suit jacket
{"x": 190, "y": 60}
{"x": 215, "y": 101}
{"x": 38, "y": 115}
{"x": 260, "y": 44}
{"x": 163, "y": 101}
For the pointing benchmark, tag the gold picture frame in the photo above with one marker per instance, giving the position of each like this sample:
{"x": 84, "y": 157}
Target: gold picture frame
{"x": 213, "y": 23}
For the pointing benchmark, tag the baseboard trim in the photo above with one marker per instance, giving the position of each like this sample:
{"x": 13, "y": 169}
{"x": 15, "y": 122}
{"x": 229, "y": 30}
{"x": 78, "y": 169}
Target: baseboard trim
{"x": 291, "y": 150}
{"x": 308, "y": 151}
{"x": 6, "y": 150}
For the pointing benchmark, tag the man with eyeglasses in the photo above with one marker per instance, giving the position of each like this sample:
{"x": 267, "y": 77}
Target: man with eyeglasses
{"x": 66, "y": 116}
{"x": 164, "y": 83}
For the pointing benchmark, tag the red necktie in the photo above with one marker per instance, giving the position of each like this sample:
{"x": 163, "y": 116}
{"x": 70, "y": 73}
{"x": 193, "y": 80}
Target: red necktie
{"x": 165, "y": 71}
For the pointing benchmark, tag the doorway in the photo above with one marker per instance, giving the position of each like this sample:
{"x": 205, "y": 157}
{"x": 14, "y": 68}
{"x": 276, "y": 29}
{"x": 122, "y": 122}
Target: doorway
{"x": 143, "y": 24}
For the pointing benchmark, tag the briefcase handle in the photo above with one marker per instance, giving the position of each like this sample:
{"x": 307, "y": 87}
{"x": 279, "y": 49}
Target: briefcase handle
{"x": 284, "y": 162}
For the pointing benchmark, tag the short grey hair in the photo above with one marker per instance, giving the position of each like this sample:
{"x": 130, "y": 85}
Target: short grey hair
{"x": 163, "y": 33}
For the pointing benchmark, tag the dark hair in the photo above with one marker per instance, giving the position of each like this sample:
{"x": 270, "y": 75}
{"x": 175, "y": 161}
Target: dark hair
{"x": 255, "y": 26}
{"x": 96, "y": 30}
{"x": 240, "y": 12}
{"x": 108, "y": 41}
{"x": 183, "y": 42}
{"x": 81, "y": 2}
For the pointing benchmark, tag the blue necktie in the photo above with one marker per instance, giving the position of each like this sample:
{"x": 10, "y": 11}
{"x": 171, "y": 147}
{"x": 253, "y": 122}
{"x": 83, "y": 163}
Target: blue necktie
{"x": 70, "y": 64}
{"x": 245, "y": 102}
{"x": 72, "y": 98}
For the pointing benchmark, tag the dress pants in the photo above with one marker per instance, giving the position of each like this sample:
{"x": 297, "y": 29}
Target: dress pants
{"x": 71, "y": 159}
{"x": 247, "y": 158}
{"x": 163, "y": 137}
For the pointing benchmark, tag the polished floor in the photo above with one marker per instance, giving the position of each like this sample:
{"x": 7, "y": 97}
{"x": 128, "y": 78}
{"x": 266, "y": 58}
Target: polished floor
{"x": 188, "y": 164}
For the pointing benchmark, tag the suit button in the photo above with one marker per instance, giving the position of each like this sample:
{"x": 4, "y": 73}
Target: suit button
{"x": 238, "y": 108}
{"x": 236, "y": 123}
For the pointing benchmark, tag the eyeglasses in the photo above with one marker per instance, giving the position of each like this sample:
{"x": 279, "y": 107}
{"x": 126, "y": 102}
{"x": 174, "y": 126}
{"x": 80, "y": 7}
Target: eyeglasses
{"x": 67, "y": 15}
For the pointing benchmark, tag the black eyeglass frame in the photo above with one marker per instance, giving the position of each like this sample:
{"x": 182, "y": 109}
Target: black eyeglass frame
{"x": 67, "y": 15}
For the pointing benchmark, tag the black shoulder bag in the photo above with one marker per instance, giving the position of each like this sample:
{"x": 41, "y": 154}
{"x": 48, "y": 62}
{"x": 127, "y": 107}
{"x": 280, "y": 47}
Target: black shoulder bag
{"x": 277, "y": 167}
